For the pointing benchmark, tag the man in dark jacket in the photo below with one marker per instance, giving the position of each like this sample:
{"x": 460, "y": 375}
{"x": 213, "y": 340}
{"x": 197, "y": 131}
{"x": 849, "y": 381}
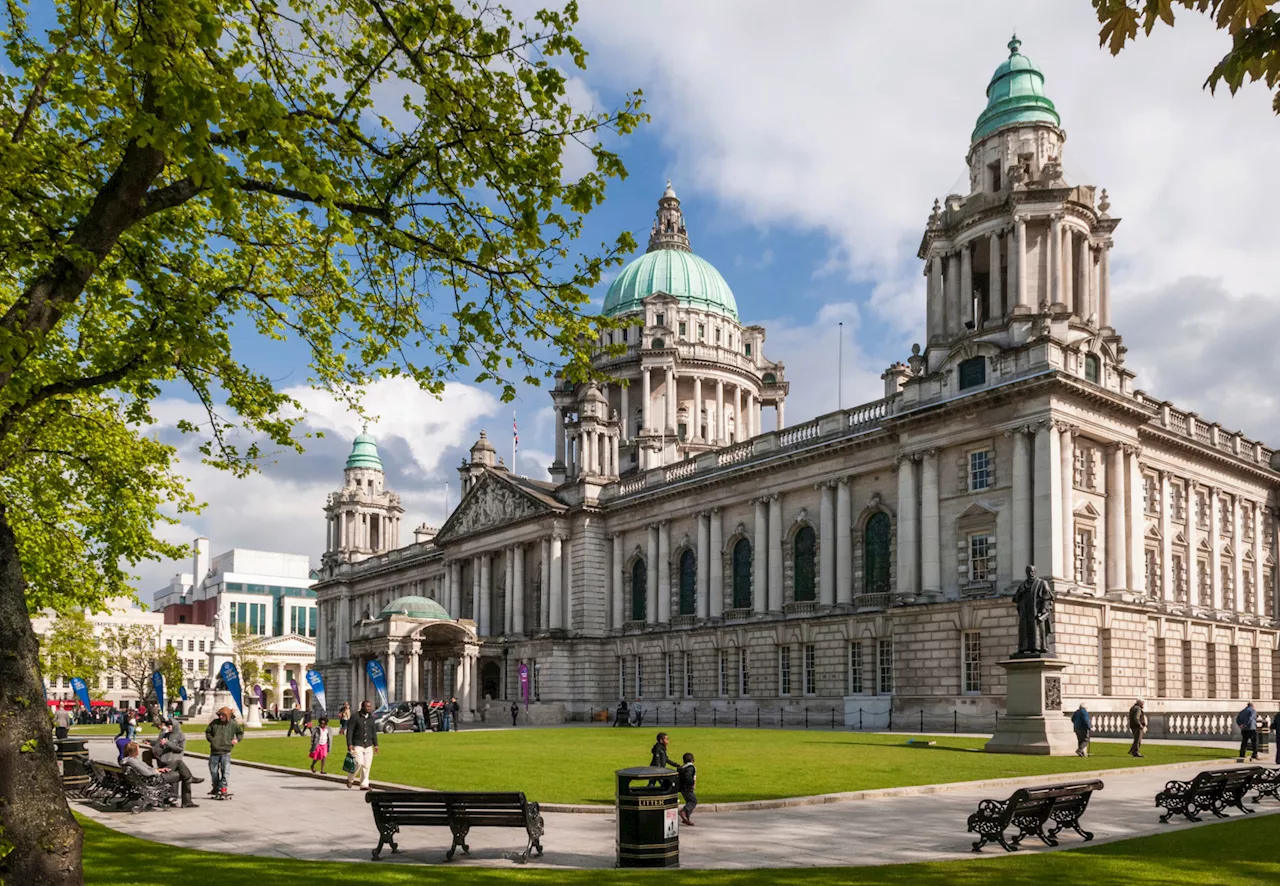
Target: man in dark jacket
{"x": 169, "y": 749}
{"x": 1083, "y": 725}
{"x": 295, "y": 722}
{"x": 1137, "y": 727}
{"x": 1247, "y": 720}
{"x": 362, "y": 742}
{"x": 455, "y": 710}
{"x": 659, "y": 753}
{"x": 169, "y": 777}
{"x": 223, "y": 734}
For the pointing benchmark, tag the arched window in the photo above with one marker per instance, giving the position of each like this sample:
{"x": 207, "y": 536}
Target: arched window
{"x": 639, "y": 590}
{"x": 658, "y": 344}
{"x": 973, "y": 372}
{"x": 876, "y": 545}
{"x": 1092, "y": 368}
{"x": 742, "y": 574}
{"x": 804, "y": 550}
{"x": 688, "y": 581}
{"x": 769, "y": 378}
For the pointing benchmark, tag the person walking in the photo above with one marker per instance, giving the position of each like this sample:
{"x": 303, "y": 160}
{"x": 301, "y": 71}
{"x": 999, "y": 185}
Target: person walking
{"x": 659, "y": 758}
{"x": 687, "y": 784}
{"x": 295, "y": 722}
{"x": 223, "y": 734}
{"x": 319, "y": 744}
{"x": 1137, "y": 727}
{"x": 1247, "y": 720}
{"x": 419, "y": 717}
{"x": 169, "y": 751}
{"x": 130, "y": 726}
{"x": 61, "y": 722}
{"x": 344, "y": 717}
{"x": 1083, "y": 725}
{"x": 455, "y": 710}
{"x": 362, "y": 742}
{"x": 515, "y": 712}
{"x": 168, "y": 776}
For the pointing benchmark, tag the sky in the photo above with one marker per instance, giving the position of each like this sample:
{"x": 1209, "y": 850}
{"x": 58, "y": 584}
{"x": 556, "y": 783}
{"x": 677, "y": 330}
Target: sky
{"x": 807, "y": 143}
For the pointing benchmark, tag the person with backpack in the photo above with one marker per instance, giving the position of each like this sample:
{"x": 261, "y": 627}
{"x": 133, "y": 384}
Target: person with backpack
{"x": 687, "y": 784}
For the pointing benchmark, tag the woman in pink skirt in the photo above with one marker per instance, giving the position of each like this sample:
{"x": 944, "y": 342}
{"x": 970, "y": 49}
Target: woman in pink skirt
{"x": 319, "y": 744}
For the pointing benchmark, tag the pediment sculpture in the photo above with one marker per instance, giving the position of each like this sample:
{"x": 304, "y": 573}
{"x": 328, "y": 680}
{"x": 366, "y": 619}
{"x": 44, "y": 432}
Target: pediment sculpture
{"x": 493, "y": 504}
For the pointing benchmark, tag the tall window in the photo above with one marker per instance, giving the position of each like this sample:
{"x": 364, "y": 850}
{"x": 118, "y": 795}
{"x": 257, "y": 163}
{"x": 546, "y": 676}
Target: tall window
{"x": 668, "y": 668}
{"x": 742, "y": 574}
{"x": 982, "y": 557}
{"x": 639, "y": 676}
{"x": 1202, "y": 511}
{"x": 855, "y": 668}
{"x": 1151, "y": 569}
{"x": 784, "y": 670}
{"x": 639, "y": 590}
{"x": 810, "y": 670}
{"x": 806, "y": 544}
{"x": 744, "y": 672}
{"x": 1224, "y": 516}
{"x": 1092, "y": 368}
{"x": 1084, "y": 556}
{"x": 980, "y": 474}
{"x": 724, "y": 672}
{"x": 1246, "y": 577}
{"x": 1150, "y": 496}
{"x": 884, "y": 662}
{"x": 876, "y": 547}
{"x": 1246, "y": 520}
{"x": 1178, "y": 494}
{"x": 1079, "y": 471}
{"x": 972, "y": 651}
{"x": 973, "y": 372}
{"x": 1228, "y": 587}
{"x": 688, "y": 583}
{"x": 1204, "y": 590}
{"x": 688, "y": 675}
{"x": 1179, "y": 567}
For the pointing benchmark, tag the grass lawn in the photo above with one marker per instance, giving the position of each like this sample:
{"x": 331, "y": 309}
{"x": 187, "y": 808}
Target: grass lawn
{"x": 191, "y": 727}
{"x": 577, "y": 765}
{"x": 1236, "y": 853}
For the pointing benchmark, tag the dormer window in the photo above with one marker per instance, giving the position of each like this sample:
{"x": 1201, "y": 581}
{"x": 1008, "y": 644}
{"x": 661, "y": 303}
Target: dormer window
{"x": 993, "y": 176}
{"x": 661, "y": 320}
{"x": 682, "y": 328}
{"x": 702, "y": 332}
{"x": 624, "y": 335}
{"x": 748, "y": 349}
{"x": 973, "y": 373}
{"x": 1092, "y": 368}
{"x": 717, "y": 335}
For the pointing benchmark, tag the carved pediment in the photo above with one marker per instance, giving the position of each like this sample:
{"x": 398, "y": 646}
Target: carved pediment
{"x": 491, "y": 504}
{"x": 1087, "y": 510}
{"x": 977, "y": 510}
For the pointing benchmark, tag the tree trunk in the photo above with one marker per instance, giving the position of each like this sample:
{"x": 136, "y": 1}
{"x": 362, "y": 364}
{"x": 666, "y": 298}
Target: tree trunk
{"x": 33, "y": 809}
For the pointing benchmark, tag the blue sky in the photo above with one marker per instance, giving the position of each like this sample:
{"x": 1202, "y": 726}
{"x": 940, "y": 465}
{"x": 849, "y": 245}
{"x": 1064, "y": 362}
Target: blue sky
{"x": 807, "y": 144}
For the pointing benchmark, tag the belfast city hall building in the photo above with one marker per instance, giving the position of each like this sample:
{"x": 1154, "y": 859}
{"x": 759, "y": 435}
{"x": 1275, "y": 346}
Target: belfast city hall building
{"x": 682, "y": 553}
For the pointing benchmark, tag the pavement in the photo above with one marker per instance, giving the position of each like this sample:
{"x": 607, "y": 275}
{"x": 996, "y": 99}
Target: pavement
{"x": 288, "y": 815}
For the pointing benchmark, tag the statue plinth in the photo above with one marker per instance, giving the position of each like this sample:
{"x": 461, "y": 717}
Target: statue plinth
{"x": 207, "y": 702}
{"x": 1034, "y": 721}
{"x": 253, "y": 716}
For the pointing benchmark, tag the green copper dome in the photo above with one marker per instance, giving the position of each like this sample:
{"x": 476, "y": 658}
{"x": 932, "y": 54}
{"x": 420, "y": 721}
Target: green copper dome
{"x": 675, "y": 272}
{"x": 415, "y": 607}
{"x": 1015, "y": 96}
{"x": 364, "y": 454}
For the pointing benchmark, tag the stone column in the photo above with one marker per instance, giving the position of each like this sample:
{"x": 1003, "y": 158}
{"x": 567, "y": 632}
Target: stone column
{"x": 775, "y": 552}
{"x": 391, "y": 679}
{"x": 738, "y": 436}
{"x": 967, "y": 315}
{"x": 1168, "y": 582}
{"x": 1055, "y": 259}
{"x": 908, "y": 578}
{"x": 517, "y": 589}
{"x": 1237, "y": 547}
{"x": 1083, "y": 300}
{"x": 827, "y": 545}
{"x": 703, "y": 608}
{"x": 412, "y": 683}
{"x": 995, "y": 306}
{"x": 357, "y": 692}
{"x": 460, "y": 681}
{"x": 760, "y": 558}
{"x": 720, "y": 422}
{"x": 1019, "y": 255}
{"x": 930, "y": 526}
{"x": 616, "y": 457}
{"x": 1104, "y": 285}
{"x": 559, "y": 419}
{"x": 844, "y": 541}
{"x": 1068, "y": 268}
{"x": 646, "y": 394}
{"x": 651, "y": 578}
{"x": 1068, "y": 470}
{"x": 752, "y": 417}
{"x": 1047, "y": 505}
{"x": 697, "y": 435}
{"x": 953, "y": 324}
{"x": 1259, "y": 557}
{"x": 484, "y": 603}
{"x": 544, "y": 591}
{"x": 1116, "y": 520}
{"x": 1215, "y": 547}
{"x": 557, "y": 582}
{"x": 664, "y": 572}
{"x": 781, "y": 410}
{"x": 566, "y": 588}
{"x": 670, "y": 391}
{"x": 1137, "y": 526}
{"x": 624, "y": 413}
{"x": 588, "y": 449}
{"x": 474, "y": 612}
{"x": 1193, "y": 545}
{"x": 619, "y": 556}
{"x": 508, "y": 598}
{"x": 715, "y": 559}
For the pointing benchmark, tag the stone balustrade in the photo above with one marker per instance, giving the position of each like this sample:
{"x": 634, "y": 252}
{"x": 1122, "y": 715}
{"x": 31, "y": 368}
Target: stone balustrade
{"x": 1188, "y": 424}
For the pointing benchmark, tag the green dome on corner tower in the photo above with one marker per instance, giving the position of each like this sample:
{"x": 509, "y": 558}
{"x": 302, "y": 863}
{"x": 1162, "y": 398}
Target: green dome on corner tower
{"x": 1015, "y": 96}
{"x": 364, "y": 454}
{"x": 669, "y": 266}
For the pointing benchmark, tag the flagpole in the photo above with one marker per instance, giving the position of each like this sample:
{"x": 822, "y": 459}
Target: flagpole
{"x": 840, "y": 374}
{"x": 515, "y": 439}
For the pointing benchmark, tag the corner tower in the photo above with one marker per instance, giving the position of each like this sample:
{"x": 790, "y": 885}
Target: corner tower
{"x": 362, "y": 518}
{"x": 1025, "y": 254}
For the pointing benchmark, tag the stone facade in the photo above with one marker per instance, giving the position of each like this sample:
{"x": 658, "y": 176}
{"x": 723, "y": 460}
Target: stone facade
{"x": 864, "y": 560}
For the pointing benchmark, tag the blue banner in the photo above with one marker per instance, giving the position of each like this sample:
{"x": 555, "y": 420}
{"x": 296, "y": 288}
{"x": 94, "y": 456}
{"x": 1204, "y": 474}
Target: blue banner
{"x": 231, "y": 677}
{"x": 317, "y": 690}
{"x": 182, "y": 693}
{"x": 379, "y": 678}
{"x": 297, "y": 699}
{"x": 260, "y": 695}
{"x": 157, "y": 683}
{"x": 81, "y": 689}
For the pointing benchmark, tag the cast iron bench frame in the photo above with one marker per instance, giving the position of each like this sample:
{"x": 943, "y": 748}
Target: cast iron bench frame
{"x": 1212, "y": 790}
{"x": 459, "y": 811}
{"x": 1029, "y": 810}
{"x": 1267, "y": 784}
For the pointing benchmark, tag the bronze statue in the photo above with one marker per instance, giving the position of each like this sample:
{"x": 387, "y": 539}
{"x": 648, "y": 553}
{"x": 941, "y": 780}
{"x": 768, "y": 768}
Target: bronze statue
{"x": 1034, "y": 599}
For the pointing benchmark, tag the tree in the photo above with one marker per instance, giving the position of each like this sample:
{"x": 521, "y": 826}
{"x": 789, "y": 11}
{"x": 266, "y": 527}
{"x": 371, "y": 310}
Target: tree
{"x": 130, "y": 652}
{"x": 247, "y": 649}
{"x": 71, "y": 649}
{"x": 1254, "y": 26}
{"x": 169, "y": 664}
{"x": 380, "y": 180}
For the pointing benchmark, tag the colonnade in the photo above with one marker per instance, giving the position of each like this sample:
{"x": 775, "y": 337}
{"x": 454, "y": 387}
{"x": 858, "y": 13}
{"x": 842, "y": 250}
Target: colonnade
{"x": 555, "y": 579}
{"x": 361, "y": 530}
{"x": 425, "y": 677}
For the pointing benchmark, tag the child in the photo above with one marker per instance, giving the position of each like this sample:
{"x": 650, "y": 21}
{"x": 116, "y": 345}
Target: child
{"x": 319, "y": 744}
{"x": 687, "y": 782}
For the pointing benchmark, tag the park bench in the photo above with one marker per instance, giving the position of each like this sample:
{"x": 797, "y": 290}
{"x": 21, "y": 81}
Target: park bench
{"x": 1029, "y": 810}
{"x": 456, "y": 810}
{"x": 105, "y": 783}
{"x": 142, "y": 793}
{"x": 1212, "y": 790}
{"x": 1267, "y": 784}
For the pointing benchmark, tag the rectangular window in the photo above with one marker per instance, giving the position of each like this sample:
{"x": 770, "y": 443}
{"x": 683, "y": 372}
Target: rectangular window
{"x": 1246, "y": 521}
{"x": 624, "y": 336}
{"x": 748, "y": 349}
{"x": 724, "y": 672}
{"x": 972, "y": 645}
{"x": 1079, "y": 474}
{"x": 982, "y": 557}
{"x": 784, "y": 670}
{"x": 980, "y": 470}
{"x": 810, "y": 670}
{"x": 1204, "y": 592}
{"x": 717, "y": 335}
{"x": 622, "y": 677}
{"x": 669, "y": 667}
{"x": 1269, "y": 593}
{"x": 1150, "y": 496}
{"x": 744, "y": 672}
{"x": 855, "y": 668}
{"x": 1202, "y": 511}
{"x": 1246, "y": 577}
{"x": 1179, "y": 567}
{"x": 1224, "y": 516}
{"x": 111, "y": 682}
{"x": 1084, "y": 557}
{"x": 884, "y": 662}
{"x": 191, "y": 645}
{"x": 661, "y": 320}
{"x": 702, "y": 332}
{"x": 639, "y": 676}
{"x": 683, "y": 326}
{"x": 1179, "y": 504}
{"x": 688, "y": 675}
{"x": 168, "y": 641}
{"x": 1151, "y": 569}
{"x": 1228, "y": 588}
{"x": 201, "y": 644}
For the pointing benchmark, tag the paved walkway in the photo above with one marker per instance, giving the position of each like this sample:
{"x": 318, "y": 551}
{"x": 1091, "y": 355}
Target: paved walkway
{"x": 277, "y": 814}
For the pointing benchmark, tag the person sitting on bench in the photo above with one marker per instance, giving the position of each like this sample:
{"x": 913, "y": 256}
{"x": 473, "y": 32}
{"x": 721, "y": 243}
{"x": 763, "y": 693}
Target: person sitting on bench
{"x": 168, "y": 776}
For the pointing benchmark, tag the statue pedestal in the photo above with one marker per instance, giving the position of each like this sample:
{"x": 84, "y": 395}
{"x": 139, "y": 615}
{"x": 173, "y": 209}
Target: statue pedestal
{"x": 252, "y": 716}
{"x": 208, "y": 702}
{"x": 1034, "y": 722}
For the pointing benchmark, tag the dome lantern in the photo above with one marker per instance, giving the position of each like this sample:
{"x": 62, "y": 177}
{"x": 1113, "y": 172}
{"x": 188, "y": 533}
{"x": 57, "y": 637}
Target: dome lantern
{"x": 364, "y": 453}
{"x": 1015, "y": 96}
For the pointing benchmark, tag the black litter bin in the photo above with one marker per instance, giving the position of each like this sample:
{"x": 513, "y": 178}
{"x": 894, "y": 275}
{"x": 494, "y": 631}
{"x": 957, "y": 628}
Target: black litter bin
{"x": 648, "y": 818}
{"x": 73, "y": 757}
